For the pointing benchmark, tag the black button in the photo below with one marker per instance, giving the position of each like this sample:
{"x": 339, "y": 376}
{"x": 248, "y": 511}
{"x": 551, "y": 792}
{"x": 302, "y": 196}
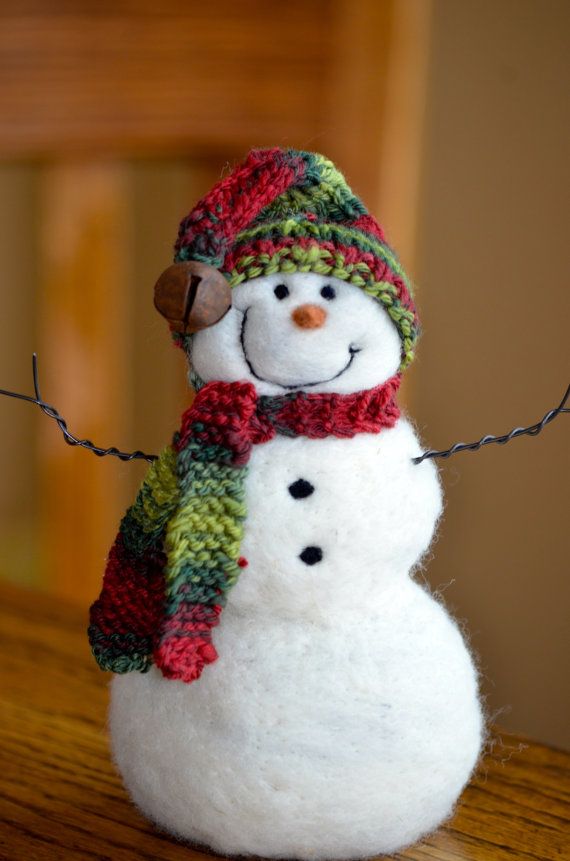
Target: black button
{"x": 311, "y": 555}
{"x": 301, "y": 488}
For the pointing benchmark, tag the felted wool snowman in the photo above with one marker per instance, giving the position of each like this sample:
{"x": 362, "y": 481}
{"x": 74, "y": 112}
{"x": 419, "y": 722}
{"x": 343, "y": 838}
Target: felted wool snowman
{"x": 284, "y": 687}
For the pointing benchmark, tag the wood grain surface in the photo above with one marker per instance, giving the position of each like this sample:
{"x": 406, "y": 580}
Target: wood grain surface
{"x": 177, "y": 76}
{"x": 60, "y": 797}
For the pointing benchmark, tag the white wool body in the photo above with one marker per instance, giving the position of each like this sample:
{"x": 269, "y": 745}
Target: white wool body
{"x": 342, "y": 718}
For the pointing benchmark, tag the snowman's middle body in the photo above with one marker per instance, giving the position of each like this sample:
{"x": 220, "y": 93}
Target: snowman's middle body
{"x": 341, "y": 718}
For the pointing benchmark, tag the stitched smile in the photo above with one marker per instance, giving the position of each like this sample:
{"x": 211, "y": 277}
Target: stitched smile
{"x": 352, "y": 351}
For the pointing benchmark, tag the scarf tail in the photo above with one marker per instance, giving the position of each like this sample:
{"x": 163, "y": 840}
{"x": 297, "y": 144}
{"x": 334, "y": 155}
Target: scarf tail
{"x": 203, "y": 538}
{"x": 185, "y": 645}
{"x": 124, "y": 620}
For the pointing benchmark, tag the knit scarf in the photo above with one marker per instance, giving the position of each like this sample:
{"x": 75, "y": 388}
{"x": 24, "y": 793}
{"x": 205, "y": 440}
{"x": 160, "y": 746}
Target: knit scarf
{"x": 177, "y": 553}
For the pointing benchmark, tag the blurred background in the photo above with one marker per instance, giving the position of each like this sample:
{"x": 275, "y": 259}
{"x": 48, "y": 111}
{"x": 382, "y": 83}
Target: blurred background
{"x": 449, "y": 118}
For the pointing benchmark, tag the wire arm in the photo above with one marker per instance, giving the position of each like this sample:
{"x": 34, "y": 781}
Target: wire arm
{"x": 70, "y": 439}
{"x": 531, "y": 430}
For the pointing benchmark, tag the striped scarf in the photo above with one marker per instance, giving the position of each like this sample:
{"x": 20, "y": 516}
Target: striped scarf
{"x": 177, "y": 553}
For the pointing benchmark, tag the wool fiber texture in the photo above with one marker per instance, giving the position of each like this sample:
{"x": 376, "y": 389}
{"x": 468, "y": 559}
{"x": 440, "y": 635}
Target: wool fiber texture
{"x": 341, "y": 719}
{"x": 350, "y": 742}
{"x": 356, "y": 349}
{"x": 283, "y": 211}
{"x": 338, "y": 714}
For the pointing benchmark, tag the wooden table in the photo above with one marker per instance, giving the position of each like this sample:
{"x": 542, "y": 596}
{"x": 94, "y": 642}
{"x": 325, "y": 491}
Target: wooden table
{"x": 60, "y": 797}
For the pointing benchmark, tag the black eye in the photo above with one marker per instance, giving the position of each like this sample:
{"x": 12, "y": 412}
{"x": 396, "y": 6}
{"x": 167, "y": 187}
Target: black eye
{"x": 328, "y": 292}
{"x": 281, "y": 291}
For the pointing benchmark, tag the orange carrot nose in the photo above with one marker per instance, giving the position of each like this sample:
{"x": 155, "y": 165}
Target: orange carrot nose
{"x": 309, "y": 316}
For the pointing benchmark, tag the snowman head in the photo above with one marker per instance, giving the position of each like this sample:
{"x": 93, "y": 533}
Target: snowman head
{"x": 299, "y": 331}
{"x": 319, "y": 302}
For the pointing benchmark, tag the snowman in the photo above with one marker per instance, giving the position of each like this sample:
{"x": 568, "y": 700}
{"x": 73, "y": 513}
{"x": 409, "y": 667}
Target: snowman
{"x": 284, "y": 687}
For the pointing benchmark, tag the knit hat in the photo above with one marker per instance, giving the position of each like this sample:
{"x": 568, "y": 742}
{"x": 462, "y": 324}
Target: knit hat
{"x": 284, "y": 210}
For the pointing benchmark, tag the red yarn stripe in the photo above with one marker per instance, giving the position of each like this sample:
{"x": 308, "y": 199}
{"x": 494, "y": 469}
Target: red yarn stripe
{"x": 368, "y": 224}
{"x": 379, "y": 268}
{"x": 132, "y": 596}
{"x": 186, "y": 642}
{"x": 268, "y": 245}
{"x": 236, "y": 201}
{"x": 227, "y": 412}
{"x": 317, "y": 416}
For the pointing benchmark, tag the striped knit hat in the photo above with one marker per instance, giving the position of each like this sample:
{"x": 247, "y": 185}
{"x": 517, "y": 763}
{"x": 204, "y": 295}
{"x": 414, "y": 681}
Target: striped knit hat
{"x": 284, "y": 210}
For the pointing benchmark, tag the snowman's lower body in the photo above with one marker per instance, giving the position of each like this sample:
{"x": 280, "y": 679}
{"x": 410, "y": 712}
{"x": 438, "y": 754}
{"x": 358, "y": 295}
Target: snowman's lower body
{"x": 307, "y": 741}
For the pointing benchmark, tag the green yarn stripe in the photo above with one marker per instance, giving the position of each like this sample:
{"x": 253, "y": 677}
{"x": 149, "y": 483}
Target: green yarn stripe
{"x": 204, "y": 535}
{"x": 143, "y": 525}
{"x": 323, "y": 233}
{"x": 325, "y": 262}
{"x": 324, "y": 193}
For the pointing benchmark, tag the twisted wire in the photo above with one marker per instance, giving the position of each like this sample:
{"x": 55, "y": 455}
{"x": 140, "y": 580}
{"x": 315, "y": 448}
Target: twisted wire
{"x": 70, "y": 439}
{"x": 531, "y": 430}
